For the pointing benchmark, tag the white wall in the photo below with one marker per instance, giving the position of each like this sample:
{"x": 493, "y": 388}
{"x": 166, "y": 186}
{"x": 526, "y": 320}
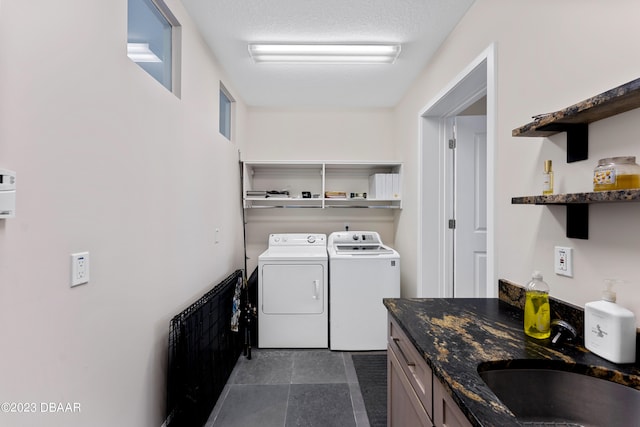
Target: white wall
{"x": 109, "y": 162}
{"x": 317, "y": 134}
{"x": 549, "y": 55}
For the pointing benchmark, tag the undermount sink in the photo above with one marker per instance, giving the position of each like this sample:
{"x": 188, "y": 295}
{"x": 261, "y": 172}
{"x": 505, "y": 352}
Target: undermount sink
{"x": 543, "y": 396}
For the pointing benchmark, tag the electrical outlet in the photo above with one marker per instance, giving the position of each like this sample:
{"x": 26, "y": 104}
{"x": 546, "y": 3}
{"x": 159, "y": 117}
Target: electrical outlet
{"x": 563, "y": 261}
{"x": 79, "y": 268}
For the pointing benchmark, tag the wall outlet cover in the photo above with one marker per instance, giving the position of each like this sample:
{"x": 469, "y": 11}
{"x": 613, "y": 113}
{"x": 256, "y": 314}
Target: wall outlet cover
{"x": 79, "y": 268}
{"x": 563, "y": 261}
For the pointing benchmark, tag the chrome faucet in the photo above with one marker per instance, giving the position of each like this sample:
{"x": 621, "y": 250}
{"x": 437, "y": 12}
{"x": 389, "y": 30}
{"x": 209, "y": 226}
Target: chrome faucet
{"x": 562, "y": 331}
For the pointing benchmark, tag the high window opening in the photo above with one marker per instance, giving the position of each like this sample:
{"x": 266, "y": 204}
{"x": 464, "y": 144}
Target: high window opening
{"x": 152, "y": 35}
{"x": 226, "y": 112}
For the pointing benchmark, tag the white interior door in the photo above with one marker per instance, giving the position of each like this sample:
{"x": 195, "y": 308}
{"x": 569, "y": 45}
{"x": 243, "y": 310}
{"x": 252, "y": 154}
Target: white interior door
{"x": 470, "y": 207}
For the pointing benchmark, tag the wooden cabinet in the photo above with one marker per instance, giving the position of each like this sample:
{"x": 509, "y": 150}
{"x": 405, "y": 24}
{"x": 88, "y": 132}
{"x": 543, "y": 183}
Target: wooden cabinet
{"x": 409, "y": 394}
{"x": 403, "y": 406}
{"x": 414, "y": 396}
{"x": 317, "y": 184}
{"x": 445, "y": 411}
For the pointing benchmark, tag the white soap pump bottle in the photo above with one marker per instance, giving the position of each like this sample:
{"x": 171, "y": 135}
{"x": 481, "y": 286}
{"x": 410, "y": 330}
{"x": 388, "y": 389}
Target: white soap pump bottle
{"x": 610, "y": 329}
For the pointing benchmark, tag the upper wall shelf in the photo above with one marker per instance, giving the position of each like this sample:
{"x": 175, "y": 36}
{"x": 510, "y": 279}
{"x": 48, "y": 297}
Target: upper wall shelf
{"x": 575, "y": 119}
{"x": 322, "y": 184}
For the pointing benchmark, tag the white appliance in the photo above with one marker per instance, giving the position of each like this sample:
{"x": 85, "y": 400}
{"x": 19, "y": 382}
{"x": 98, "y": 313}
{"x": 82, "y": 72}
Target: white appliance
{"x": 362, "y": 271}
{"x": 293, "y": 303}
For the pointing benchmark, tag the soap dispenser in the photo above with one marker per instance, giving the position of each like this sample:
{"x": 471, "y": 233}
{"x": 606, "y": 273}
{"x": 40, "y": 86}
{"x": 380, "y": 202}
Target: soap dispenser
{"x": 610, "y": 329}
{"x": 537, "y": 313}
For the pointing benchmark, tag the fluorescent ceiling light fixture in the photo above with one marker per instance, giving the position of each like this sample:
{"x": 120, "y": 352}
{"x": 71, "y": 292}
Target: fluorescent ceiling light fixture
{"x": 324, "y": 53}
{"x": 140, "y": 52}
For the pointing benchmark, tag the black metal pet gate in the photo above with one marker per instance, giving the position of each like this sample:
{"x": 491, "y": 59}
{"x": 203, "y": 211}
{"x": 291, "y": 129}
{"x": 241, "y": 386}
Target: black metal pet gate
{"x": 204, "y": 345}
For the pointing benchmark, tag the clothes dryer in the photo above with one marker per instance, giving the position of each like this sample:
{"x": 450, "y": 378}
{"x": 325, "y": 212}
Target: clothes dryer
{"x": 293, "y": 297}
{"x": 362, "y": 271}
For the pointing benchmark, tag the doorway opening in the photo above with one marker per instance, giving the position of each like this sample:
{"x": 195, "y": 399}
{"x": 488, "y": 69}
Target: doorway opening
{"x": 448, "y": 264}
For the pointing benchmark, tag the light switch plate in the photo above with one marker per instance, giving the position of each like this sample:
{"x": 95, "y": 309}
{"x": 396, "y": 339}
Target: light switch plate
{"x": 563, "y": 261}
{"x": 79, "y": 268}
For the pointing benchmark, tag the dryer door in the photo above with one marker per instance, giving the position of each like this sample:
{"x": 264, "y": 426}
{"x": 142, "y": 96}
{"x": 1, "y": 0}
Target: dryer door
{"x": 292, "y": 289}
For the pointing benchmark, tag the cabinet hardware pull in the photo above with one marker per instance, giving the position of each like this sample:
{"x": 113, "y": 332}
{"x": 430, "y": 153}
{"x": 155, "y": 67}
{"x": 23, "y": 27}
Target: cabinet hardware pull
{"x": 406, "y": 360}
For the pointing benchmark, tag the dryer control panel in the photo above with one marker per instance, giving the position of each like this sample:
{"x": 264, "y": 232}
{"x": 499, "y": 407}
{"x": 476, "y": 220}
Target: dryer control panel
{"x": 297, "y": 239}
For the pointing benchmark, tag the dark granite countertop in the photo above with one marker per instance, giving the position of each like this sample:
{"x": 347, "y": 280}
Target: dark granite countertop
{"x": 455, "y": 336}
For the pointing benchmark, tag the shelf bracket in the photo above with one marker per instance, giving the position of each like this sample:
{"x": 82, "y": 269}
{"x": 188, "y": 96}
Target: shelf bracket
{"x": 577, "y": 139}
{"x": 577, "y": 225}
{"x": 577, "y": 142}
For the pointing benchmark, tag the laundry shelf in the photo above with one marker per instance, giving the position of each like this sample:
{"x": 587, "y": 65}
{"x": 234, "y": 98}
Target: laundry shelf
{"x": 362, "y": 206}
{"x": 319, "y": 178}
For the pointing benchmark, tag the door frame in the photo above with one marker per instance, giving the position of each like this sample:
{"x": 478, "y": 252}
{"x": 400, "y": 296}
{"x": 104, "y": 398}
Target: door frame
{"x": 435, "y": 256}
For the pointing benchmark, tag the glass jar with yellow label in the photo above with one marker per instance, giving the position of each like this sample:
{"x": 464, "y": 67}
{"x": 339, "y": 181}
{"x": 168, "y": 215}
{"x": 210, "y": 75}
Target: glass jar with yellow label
{"x": 616, "y": 173}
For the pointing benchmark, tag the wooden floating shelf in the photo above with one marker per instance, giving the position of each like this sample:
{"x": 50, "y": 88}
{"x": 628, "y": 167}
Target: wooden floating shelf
{"x": 577, "y": 225}
{"x": 574, "y": 120}
{"x": 580, "y": 198}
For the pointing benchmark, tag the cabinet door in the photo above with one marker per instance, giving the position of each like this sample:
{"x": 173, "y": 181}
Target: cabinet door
{"x": 414, "y": 366}
{"x": 403, "y": 406}
{"x": 445, "y": 411}
{"x": 292, "y": 289}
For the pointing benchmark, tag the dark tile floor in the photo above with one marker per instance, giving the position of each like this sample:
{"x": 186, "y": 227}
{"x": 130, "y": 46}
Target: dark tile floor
{"x": 283, "y": 388}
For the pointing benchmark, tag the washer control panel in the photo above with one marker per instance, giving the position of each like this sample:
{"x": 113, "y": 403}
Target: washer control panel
{"x": 355, "y": 236}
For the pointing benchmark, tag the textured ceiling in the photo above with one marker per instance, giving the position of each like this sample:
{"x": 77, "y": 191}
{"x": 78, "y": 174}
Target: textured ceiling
{"x": 229, "y": 25}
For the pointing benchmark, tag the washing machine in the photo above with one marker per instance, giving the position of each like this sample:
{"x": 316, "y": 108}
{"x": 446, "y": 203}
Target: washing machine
{"x": 362, "y": 271}
{"x": 293, "y": 302}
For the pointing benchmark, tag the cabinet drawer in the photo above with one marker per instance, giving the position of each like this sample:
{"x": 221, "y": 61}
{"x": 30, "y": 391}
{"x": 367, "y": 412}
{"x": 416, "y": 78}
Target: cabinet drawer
{"x": 445, "y": 409}
{"x": 404, "y": 408}
{"x": 413, "y": 365}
